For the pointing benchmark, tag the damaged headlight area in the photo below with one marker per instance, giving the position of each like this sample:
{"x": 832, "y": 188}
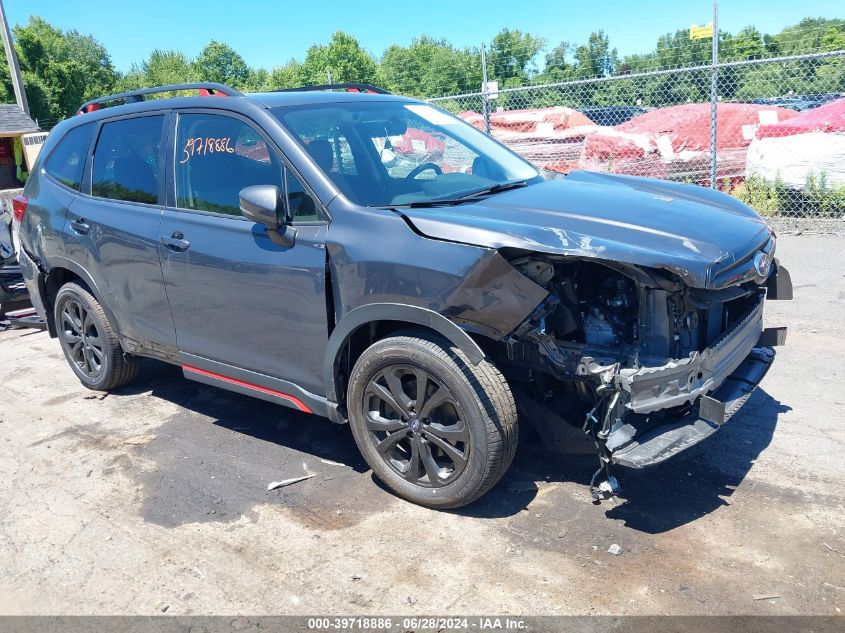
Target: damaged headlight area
{"x": 645, "y": 365}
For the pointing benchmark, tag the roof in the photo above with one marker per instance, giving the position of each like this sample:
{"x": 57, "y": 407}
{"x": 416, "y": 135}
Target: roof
{"x": 295, "y": 98}
{"x": 14, "y": 119}
{"x": 259, "y": 99}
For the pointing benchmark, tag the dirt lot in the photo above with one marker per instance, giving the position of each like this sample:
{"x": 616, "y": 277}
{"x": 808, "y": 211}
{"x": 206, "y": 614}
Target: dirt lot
{"x": 156, "y": 498}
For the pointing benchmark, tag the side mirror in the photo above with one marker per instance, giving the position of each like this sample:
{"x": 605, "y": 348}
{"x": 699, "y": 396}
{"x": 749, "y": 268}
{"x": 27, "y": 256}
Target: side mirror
{"x": 265, "y": 204}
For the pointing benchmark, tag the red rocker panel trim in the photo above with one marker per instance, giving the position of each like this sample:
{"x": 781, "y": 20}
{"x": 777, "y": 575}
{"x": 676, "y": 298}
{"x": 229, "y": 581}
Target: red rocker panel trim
{"x": 234, "y": 381}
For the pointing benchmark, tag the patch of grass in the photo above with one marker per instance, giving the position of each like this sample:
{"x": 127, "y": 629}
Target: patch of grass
{"x": 764, "y": 198}
{"x": 816, "y": 199}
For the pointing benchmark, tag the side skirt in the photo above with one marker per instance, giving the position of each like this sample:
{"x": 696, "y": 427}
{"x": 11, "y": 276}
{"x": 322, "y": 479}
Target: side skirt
{"x": 253, "y": 384}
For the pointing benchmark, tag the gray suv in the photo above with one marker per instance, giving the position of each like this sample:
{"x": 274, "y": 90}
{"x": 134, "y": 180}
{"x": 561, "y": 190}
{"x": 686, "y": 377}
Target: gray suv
{"x": 375, "y": 260}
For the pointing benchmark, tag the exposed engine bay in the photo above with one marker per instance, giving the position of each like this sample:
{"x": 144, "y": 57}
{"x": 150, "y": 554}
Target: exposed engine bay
{"x": 636, "y": 317}
{"x": 630, "y": 355}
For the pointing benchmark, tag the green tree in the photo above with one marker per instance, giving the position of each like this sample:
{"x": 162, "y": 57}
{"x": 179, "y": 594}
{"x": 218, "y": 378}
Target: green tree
{"x": 220, "y": 63}
{"x": 596, "y": 58}
{"x": 512, "y": 54}
{"x": 833, "y": 39}
{"x": 677, "y": 49}
{"x": 747, "y": 44}
{"x": 809, "y": 35}
{"x": 257, "y": 80}
{"x": 557, "y": 58}
{"x": 60, "y": 69}
{"x": 159, "y": 69}
{"x": 288, "y": 76}
{"x": 429, "y": 68}
{"x": 167, "y": 67}
{"x": 344, "y": 57}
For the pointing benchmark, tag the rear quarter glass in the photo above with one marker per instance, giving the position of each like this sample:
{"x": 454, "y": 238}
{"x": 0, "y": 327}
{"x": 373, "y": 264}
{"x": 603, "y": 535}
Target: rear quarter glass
{"x": 66, "y": 162}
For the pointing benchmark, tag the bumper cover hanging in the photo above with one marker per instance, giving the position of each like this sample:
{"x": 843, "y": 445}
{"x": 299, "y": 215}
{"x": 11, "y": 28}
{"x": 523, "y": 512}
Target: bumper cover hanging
{"x": 635, "y": 450}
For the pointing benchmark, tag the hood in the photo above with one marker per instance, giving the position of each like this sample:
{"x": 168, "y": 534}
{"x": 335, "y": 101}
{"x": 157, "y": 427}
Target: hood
{"x": 687, "y": 230}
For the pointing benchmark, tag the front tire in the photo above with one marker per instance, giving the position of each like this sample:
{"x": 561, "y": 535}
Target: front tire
{"x": 88, "y": 341}
{"x": 439, "y": 431}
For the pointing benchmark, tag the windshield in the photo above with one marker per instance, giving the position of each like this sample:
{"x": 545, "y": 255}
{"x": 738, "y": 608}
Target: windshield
{"x": 394, "y": 153}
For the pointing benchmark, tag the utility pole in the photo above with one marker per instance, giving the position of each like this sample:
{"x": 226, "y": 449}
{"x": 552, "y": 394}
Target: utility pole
{"x": 14, "y": 69}
{"x": 714, "y": 93}
{"x": 485, "y": 96}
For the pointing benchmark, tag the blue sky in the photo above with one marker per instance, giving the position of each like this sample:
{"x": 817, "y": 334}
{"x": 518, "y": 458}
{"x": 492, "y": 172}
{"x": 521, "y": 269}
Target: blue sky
{"x": 270, "y": 33}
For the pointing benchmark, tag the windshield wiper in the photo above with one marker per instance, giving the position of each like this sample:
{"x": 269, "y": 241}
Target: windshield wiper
{"x": 497, "y": 188}
{"x": 469, "y": 197}
{"x": 421, "y": 204}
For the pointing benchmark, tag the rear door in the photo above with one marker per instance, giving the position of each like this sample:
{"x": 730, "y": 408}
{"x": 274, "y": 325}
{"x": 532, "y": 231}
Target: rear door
{"x": 239, "y": 300}
{"x": 112, "y": 230}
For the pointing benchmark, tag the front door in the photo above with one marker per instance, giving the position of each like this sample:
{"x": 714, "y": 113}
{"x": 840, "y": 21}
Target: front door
{"x": 238, "y": 299}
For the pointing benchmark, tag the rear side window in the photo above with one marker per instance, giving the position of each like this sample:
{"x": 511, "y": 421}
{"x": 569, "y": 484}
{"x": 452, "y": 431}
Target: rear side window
{"x": 67, "y": 160}
{"x": 126, "y": 160}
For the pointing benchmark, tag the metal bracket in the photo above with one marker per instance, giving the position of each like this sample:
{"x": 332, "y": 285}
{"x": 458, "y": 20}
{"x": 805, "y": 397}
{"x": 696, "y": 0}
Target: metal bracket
{"x": 772, "y": 337}
{"x": 711, "y": 410}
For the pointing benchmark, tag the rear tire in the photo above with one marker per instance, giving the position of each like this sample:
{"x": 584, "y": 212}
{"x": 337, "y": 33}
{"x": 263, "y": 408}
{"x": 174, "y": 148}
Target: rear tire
{"x": 88, "y": 341}
{"x": 439, "y": 431}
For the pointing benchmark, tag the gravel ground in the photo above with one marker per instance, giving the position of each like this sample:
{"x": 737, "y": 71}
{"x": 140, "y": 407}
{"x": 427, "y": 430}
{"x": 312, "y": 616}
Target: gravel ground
{"x": 155, "y": 499}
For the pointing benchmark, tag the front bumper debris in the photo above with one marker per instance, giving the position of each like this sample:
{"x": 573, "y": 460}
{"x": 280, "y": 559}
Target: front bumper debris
{"x": 645, "y": 416}
{"x": 638, "y": 450}
{"x": 647, "y": 408}
{"x": 680, "y": 382}
{"x": 779, "y": 283}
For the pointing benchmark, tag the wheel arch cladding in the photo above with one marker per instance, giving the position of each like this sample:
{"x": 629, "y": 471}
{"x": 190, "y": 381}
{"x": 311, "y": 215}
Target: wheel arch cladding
{"x": 66, "y": 271}
{"x": 378, "y": 313}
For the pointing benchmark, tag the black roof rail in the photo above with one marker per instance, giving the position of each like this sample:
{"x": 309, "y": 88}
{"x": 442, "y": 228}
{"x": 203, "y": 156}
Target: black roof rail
{"x": 348, "y": 87}
{"x": 134, "y": 96}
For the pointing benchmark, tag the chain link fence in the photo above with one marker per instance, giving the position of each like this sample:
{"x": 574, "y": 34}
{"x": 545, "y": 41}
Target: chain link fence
{"x": 775, "y": 138}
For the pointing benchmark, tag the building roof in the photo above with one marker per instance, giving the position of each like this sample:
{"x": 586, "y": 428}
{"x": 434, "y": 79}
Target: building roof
{"x": 13, "y": 119}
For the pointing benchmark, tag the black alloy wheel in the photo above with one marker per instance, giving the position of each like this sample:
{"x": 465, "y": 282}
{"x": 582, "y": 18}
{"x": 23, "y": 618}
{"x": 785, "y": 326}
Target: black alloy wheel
{"x": 416, "y": 425}
{"x": 437, "y": 429}
{"x": 90, "y": 344}
{"x": 81, "y": 338}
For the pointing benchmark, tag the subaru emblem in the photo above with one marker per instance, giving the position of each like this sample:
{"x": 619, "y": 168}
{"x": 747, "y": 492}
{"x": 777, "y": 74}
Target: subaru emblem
{"x": 762, "y": 263}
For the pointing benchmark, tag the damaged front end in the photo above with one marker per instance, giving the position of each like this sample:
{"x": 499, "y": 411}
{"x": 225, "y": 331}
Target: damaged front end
{"x": 644, "y": 364}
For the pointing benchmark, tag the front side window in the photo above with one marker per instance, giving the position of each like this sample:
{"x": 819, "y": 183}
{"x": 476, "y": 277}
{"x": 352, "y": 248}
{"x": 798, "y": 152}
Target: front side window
{"x": 126, "y": 160}
{"x": 393, "y": 153}
{"x": 216, "y": 157}
{"x": 301, "y": 205}
{"x": 67, "y": 160}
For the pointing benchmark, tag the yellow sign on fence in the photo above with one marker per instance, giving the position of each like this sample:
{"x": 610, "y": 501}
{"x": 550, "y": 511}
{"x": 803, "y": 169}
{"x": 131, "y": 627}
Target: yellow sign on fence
{"x": 701, "y": 32}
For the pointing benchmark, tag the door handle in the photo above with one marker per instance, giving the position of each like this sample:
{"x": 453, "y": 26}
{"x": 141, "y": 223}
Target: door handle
{"x": 176, "y": 242}
{"x": 80, "y": 226}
